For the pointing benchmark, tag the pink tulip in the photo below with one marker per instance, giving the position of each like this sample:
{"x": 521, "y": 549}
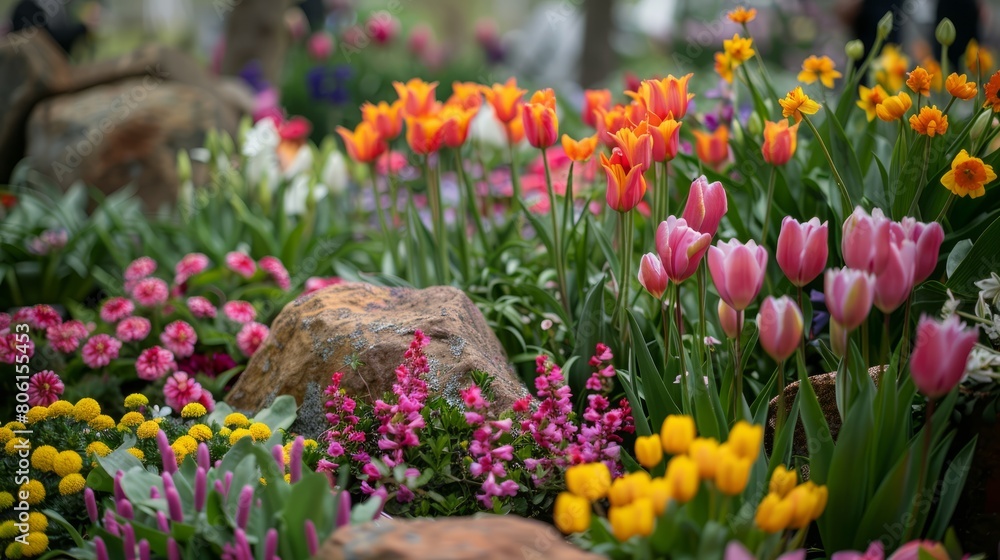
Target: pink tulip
{"x": 912, "y": 551}
{"x": 652, "y": 276}
{"x": 866, "y": 240}
{"x": 680, "y": 248}
{"x": 849, "y": 296}
{"x": 894, "y": 283}
{"x": 706, "y": 205}
{"x": 928, "y": 238}
{"x": 780, "y": 326}
{"x": 730, "y": 319}
{"x": 737, "y": 271}
{"x": 940, "y": 354}
{"x": 802, "y": 249}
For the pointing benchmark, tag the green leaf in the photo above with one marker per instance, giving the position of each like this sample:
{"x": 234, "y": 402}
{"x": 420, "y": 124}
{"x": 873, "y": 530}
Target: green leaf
{"x": 641, "y": 423}
{"x": 957, "y": 255}
{"x": 982, "y": 259}
{"x": 589, "y": 331}
{"x": 954, "y": 481}
{"x": 70, "y": 529}
{"x": 280, "y": 415}
{"x": 659, "y": 402}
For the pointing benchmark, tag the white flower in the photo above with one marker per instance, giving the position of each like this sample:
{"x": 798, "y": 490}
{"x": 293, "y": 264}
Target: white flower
{"x": 160, "y": 411}
{"x": 260, "y": 150}
{"x": 983, "y": 365}
{"x": 990, "y": 288}
{"x": 335, "y": 175}
{"x": 950, "y": 306}
{"x": 297, "y": 196}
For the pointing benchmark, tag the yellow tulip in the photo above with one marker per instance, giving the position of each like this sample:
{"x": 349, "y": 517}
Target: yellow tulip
{"x": 660, "y": 494}
{"x": 773, "y": 514}
{"x": 782, "y": 481}
{"x": 590, "y": 480}
{"x": 745, "y": 439}
{"x": 572, "y": 513}
{"x": 677, "y": 434}
{"x": 733, "y": 472}
{"x": 705, "y": 453}
{"x": 803, "y": 504}
{"x": 628, "y": 488}
{"x": 648, "y": 451}
{"x": 682, "y": 475}
{"x": 632, "y": 519}
{"x": 821, "y": 494}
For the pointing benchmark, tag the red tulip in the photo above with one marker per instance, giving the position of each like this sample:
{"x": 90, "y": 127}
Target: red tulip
{"x": 894, "y": 283}
{"x": 849, "y": 296}
{"x": 706, "y": 205}
{"x": 866, "y": 240}
{"x": 680, "y": 248}
{"x": 652, "y": 276}
{"x": 626, "y": 185}
{"x": 940, "y": 354}
{"x": 802, "y": 249}
{"x": 780, "y": 326}
{"x": 737, "y": 271}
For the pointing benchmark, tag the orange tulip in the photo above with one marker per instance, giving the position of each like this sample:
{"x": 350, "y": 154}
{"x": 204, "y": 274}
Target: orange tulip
{"x": 635, "y": 145}
{"x": 467, "y": 95}
{"x": 779, "y": 142}
{"x": 626, "y": 185}
{"x": 364, "y": 144}
{"x": 609, "y": 122}
{"x": 579, "y": 150}
{"x": 514, "y": 130}
{"x": 460, "y": 118}
{"x": 505, "y": 99}
{"x": 541, "y": 124}
{"x": 665, "y": 135}
{"x": 667, "y": 98}
{"x": 387, "y": 119}
{"x": 426, "y": 134}
{"x": 417, "y": 97}
{"x": 592, "y": 99}
{"x": 713, "y": 149}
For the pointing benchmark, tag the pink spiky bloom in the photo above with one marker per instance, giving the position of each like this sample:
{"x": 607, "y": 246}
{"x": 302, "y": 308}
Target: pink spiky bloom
{"x": 190, "y": 265}
{"x": 201, "y": 307}
{"x": 180, "y": 390}
{"x": 488, "y": 458}
{"x": 133, "y": 329}
{"x": 154, "y": 363}
{"x": 241, "y": 264}
{"x": 239, "y": 311}
{"x": 44, "y": 388}
{"x": 343, "y": 437}
{"x": 277, "y": 271}
{"x": 66, "y": 337}
{"x": 139, "y": 268}
{"x": 250, "y": 337}
{"x": 150, "y": 292}
{"x": 117, "y": 308}
{"x": 179, "y": 337}
{"x": 100, "y": 350}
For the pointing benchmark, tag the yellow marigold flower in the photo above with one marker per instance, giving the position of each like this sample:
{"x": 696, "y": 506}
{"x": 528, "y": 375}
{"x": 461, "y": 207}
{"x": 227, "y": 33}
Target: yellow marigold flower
{"x": 187, "y": 443}
{"x": 745, "y": 440}
{"x": 6, "y": 434}
{"x": 682, "y": 475}
{"x": 35, "y": 491}
{"x": 782, "y": 481}
{"x": 742, "y": 15}
{"x": 86, "y": 409}
{"x": 132, "y": 419}
{"x": 37, "y": 522}
{"x": 16, "y": 444}
{"x": 929, "y": 122}
{"x": 135, "y": 400}
{"x": 6, "y": 500}
{"x": 98, "y": 448}
{"x": 589, "y": 480}
{"x": 236, "y": 420}
{"x": 773, "y": 514}
{"x": 15, "y": 425}
{"x": 224, "y": 432}
{"x": 819, "y": 68}
{"x": 200, "y": 432}
{"x": 37, "y": 414}
{"x": 797, "y": 103}
{"x": 572, "y": 513}
{"x": 9, "y": 531}
{"x": 67, "y": 462}
{"x": 919, "y": 81}
{"x": 993, "y": 93}
{"x": 733, "y": 471}
{"x": 677, "y": 433}
{"x": 38, "y": 543}
{"x": 978, "y": 60}
{"x": 310, "y": 444}
{"x": 960, "y": 87}
{"x": 238, "y": 434}
{"x": 648, "y": 451}
{"x": 259, "y": 431}
{"x": 147, "y": 430}
{"x": 13, "y": 550}
{"x": 102, "y": 422}
{"x": 137, "y": 453}
{"x": 724, "y": 66}
{"x": 893, "y": 107}
{"x": 705, "y": 453}
{"x": 43, "y": 458}
{"x": 60, "y": 408}
{"x": 968, "y": 176}
{"x": 740, "y": 49}
{"x": 193, "y": 410}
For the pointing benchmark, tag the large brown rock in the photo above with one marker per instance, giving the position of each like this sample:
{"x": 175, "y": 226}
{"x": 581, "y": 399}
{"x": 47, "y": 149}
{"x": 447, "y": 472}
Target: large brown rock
{"x": 370, "y": 328}
{"x": 126, "y": 132}
{"x": 455, "y": 538}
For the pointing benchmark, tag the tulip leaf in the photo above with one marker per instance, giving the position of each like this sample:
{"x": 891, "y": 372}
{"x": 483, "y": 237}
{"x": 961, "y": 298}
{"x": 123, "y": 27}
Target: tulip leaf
{"x": 954, "y": 481}
{"x": 641, "y": 423}
{"x": 604, "y": 243}
{"x": 957, "y": 255}
{"x": 590, "y": 330}
{"x": 659, "y": 402}
{"x": 978, "y": 262}
{"x": 817, "y": 431}
{"x": 842, "y": 152}
{"x": 847, "y": 476}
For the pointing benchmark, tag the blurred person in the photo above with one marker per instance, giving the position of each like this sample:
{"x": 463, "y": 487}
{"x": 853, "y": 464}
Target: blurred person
{"x": 53, "y": 17}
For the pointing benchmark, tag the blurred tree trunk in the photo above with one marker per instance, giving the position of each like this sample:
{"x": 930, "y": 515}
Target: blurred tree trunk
{"x": 597, "y": 58}
{"x": 255, "y": 30}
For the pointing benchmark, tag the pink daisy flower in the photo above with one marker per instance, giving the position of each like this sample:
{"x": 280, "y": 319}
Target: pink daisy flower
{"x": 116, "y": 309}
{"x": 44, "y": 388}
{"x": 133, "y": 329}
{"x": 44, "y": 316}
{"x": 190, "y": 265}
{"x": 150, "y": 292}
{"x": 277, "y": 270}
{"x": 100, "y": 350}
{"x": 180, "y": 390}
{"x": 200, "y": 307}
{"x": 11, "y": 348}
{"x": 66, "y": 337}
{"x": 315, "y": 283}
{"x": 239, "y": 311}
{"x": 180, "y": 338}
{"x": 4, "y": 321}
{"x": 241, "y": 264}
{"x": 140, "y": 268}
{"x": 24, "y": 315}
{"x": 250, "y": 337}
{"x": 153, "y": 363}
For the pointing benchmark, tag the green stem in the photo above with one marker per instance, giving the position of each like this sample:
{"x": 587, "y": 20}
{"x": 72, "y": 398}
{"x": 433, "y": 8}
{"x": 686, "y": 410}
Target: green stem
{"x": 767, "y": 209}
{"x": 884, "y": 346}
{"x": 437, "y": 218}
{"x": 836, "y": 174}
{"x": 944, "y": 62}
{"x": 515, "y": 178}
{"x": 471, "y": 194}
{"x": 461, "y": 224}
{"x": 557, "y": 245}
{"x": 702, "y": 325}
{"x": 923, "y": 178}
{"x": 738, "y": 392}
{"x": 947, "y": 206}
{"x": 922, "y": 477}
{"x": 782, "y": 413}
{"x": 387, "y": 236}
{"x": 665, "y": 211}
{"x": 685, "y": 390}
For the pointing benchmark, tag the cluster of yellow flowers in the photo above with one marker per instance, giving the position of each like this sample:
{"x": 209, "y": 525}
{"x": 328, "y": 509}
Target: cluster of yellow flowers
{"x": 789, "y": 505}
{"x": 636, "y": 499}
{"x": 37, "y": 541}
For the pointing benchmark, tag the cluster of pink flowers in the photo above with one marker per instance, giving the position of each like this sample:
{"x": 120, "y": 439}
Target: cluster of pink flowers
{"x": 549, "y": 424}
{"x": 599, "y": 439}
{"x": 343, "y": 436}
{"x": 488, "y": 458}
{"x": 316, "y": 283}
{"x": 181, "y": 389}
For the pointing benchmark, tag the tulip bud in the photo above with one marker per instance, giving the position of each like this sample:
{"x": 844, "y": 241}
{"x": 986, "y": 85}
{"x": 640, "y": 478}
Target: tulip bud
{"x": 629, "y": 488}
{"x": 755, "y": 126}
{"x": 659, "y": 494}
{"x": 940, "y": 354}
{"x": 572, "y": 513}
{"x": 733, "y": 472}
{"x": 782, "y": 481}
{"x": 979, "y": 126}
{"x": 730, "y": 319}
{"x": 803, "y": 502}
{"x": 849, "y": 296}
{"x": 885, "y": 26}
{"x": 682, "y": 475}
{"x": 745, "y": 439}
{"x": 648, "y": 451}
{"x": 945, "y": 32}
{"x": 773, "y": 514}
{"x": 737, "y": 271}
{"x": 677, "y": 433}
{"x": 590, "y": 480}
{"x": 854, "y": 49}
{"x": 705, "y": 453}
{"x": 652, "y": 277}
{"x": 802, "y": 249}
{"x": 780, "y": 326}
